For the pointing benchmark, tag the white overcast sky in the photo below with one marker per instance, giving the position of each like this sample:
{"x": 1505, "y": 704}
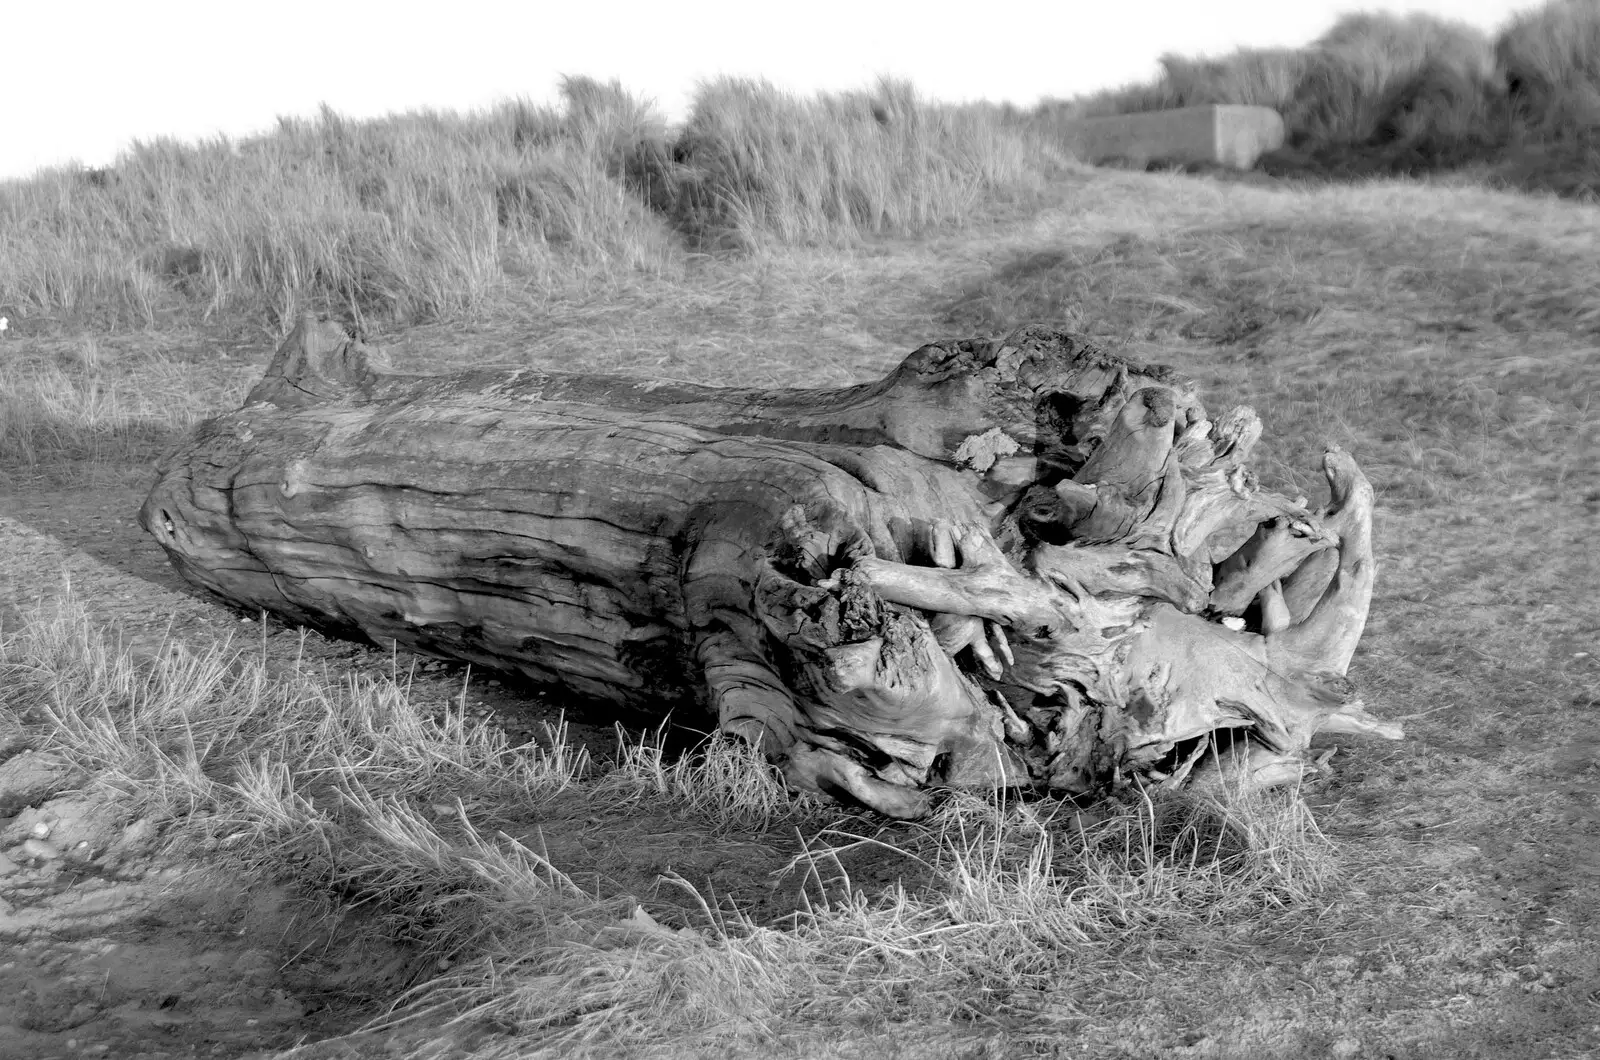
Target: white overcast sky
{"x": 80, "y": 79}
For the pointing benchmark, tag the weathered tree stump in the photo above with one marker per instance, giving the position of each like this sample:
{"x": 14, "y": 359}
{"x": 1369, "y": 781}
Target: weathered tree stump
{"x": 1028, "y": 563}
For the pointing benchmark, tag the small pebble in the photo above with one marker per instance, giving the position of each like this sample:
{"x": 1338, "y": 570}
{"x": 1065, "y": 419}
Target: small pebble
{"x": 39, "y": 850}
{"x": 139, "y": 831}
{"x": 40, "y": 830}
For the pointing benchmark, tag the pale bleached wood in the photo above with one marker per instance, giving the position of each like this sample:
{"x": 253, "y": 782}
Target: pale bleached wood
{"x": 1005, "y": 564}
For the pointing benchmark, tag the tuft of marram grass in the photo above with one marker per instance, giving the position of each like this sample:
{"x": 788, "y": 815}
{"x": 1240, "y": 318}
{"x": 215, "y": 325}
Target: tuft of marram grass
{"x": 726, "y": 779}
{"x": 1550, "y": 57}
{"x": 767, "y": 166}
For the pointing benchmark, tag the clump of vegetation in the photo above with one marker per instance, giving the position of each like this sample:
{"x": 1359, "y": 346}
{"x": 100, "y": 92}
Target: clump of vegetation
{"x": 1383, "y": 93}
{"x": 768, "y": 165}
{"x": 355, "y": 791}
{"x": 1551, "y": 61}
{"x": 415, "y": 217}
{"x": 1388, "y": 80}
{"x": 1262, "y": 77}
{"x": 431, "y": 216}
{"x": 81, "y": 411}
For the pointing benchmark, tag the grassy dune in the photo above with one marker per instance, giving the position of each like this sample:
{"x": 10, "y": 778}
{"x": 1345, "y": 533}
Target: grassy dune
{"x": 1388, "y": 94}
{"x": 1433, "y": 898}
{"x": 427, "y": 216}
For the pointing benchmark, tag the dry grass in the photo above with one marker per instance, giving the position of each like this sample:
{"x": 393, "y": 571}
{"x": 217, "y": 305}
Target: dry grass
{"x": 768, "y": 166}
{"x": 87, "y": 407}
{"x": 410, "y": 218}
{"x": 352, "y": 789}
{"x": 725, "y": 780}
{"x": 438, "y": 216}
{"x": 1551, "y": 60}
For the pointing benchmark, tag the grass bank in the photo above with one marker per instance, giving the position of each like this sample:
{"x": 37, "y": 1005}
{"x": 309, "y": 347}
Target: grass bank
{"x": 441, "y": 216}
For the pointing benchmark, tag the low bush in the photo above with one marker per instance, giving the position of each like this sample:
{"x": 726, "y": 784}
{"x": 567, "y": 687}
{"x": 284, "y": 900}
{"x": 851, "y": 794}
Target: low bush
{"x": 1550, "y": 58}
{"x": 1382, "y": 94}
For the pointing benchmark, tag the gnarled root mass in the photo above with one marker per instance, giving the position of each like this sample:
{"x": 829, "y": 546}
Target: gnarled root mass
{"x": 1027, "y": 563}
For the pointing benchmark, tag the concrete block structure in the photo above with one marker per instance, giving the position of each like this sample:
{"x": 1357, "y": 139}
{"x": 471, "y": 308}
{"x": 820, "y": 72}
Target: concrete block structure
{"x": 1215, "y": 134}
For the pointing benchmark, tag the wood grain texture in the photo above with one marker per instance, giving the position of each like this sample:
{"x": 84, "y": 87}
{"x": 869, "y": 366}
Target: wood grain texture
{"x": 1003, "y": 564}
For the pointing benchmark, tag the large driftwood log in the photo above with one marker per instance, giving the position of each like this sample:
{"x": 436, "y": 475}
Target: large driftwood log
{"x": 1028, "y": 563}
